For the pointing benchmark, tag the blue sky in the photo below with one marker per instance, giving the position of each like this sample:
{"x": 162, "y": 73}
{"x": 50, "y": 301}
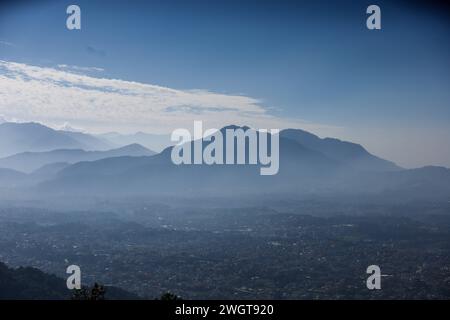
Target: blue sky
{"x": 309, "y": 64}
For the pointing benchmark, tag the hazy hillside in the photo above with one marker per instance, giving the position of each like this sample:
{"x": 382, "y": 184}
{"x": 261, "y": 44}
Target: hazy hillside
{"x": 302, "y": 170}
{"x": 349, "y": 153}
{"x": 156, "y": 142}
{"x": 89, "y": 141}
{"x": 11, "y": 177}
{"x": 33, "y": 284}
{"x": 30, "y": 161}
{"x": 307, "y": 165}
{"x": 159, "y": 174}
{"x": 30, "y": 284}
{"x": 34, "y": 137}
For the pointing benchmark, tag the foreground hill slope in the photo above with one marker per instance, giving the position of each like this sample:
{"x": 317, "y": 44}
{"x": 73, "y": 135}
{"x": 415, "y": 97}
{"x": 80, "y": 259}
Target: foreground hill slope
{"x": 33, "y": 284}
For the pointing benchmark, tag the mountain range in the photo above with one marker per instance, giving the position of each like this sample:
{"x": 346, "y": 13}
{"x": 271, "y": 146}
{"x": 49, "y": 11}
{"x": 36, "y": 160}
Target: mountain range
{"x": 308, "y": 165}
{"x": 31, "y": 161}
{"x": 155, "y": 142}
{"x": 34, "y": 137}
{"x": 342, "y": 151}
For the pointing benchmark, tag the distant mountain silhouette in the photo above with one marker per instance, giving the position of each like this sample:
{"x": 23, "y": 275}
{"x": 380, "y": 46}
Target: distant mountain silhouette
{"x": 31, "y": 161}
{"x": 156, "y": 142}
{"x": 346, "y": 152}
{"x": 11, "y": 178}
{"x": 430, "y": 182}
{"x": 325, "y": 166}
{"x": 308, "y": 164}
{"x": 34, "y": 137}
{"x": 49, "y": 171}
{"x": 89, "y": 142}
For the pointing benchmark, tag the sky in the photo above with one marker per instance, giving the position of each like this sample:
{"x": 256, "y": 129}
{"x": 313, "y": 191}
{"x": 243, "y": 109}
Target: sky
{"x": 154, "y": 66}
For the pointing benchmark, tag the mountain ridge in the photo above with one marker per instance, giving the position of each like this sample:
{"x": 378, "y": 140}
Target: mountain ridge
{"x": 34, "y": 137}
{"x": 302, "y": 168}
{"x": 308, "y": 164}
{"x": 31, "y": 161}
{"x": 341, "y": 150}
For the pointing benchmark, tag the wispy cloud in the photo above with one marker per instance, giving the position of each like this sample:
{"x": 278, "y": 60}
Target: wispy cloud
{"x": 79, "y": 69}
{"x": 7, "y": 43}
{"x": 54, "y": 96}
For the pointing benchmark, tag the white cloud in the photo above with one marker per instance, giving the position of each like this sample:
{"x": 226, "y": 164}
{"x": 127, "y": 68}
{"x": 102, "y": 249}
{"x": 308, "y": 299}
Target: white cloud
{"x": 4, "y": 119}
{"x": 66, "y": 126}
{"x": 54, "y": 96}
{"x": 80, "y": 69}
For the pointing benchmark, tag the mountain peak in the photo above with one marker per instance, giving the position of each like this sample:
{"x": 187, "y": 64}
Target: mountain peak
{"x": 235, "y": 127}
{"x": 136, "y": 147}
{"x": 343, "y": 151}
{"x": 35, "y": 137}
{"x": 24, "y": 124}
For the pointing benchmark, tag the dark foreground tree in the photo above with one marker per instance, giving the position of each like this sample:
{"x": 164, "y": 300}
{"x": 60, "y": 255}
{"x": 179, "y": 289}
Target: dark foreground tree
{"x": 97, "y": 292}
{"x": 170, "y": 297}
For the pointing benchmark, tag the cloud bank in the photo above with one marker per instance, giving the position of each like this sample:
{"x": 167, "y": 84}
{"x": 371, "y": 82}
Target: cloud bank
{"x": 57, "y": 95}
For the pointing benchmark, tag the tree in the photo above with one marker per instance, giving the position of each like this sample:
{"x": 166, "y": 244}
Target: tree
{"x": 97, "y": 292}
{"x": 170, "y": 297}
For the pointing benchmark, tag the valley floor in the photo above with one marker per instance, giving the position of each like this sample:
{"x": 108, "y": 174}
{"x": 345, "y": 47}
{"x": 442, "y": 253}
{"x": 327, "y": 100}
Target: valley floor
{"x": 313, "y": 250}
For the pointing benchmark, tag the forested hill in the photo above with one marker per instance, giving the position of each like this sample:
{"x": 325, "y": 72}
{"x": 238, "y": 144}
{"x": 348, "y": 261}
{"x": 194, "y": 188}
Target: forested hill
{"x": 33, "y": 284}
